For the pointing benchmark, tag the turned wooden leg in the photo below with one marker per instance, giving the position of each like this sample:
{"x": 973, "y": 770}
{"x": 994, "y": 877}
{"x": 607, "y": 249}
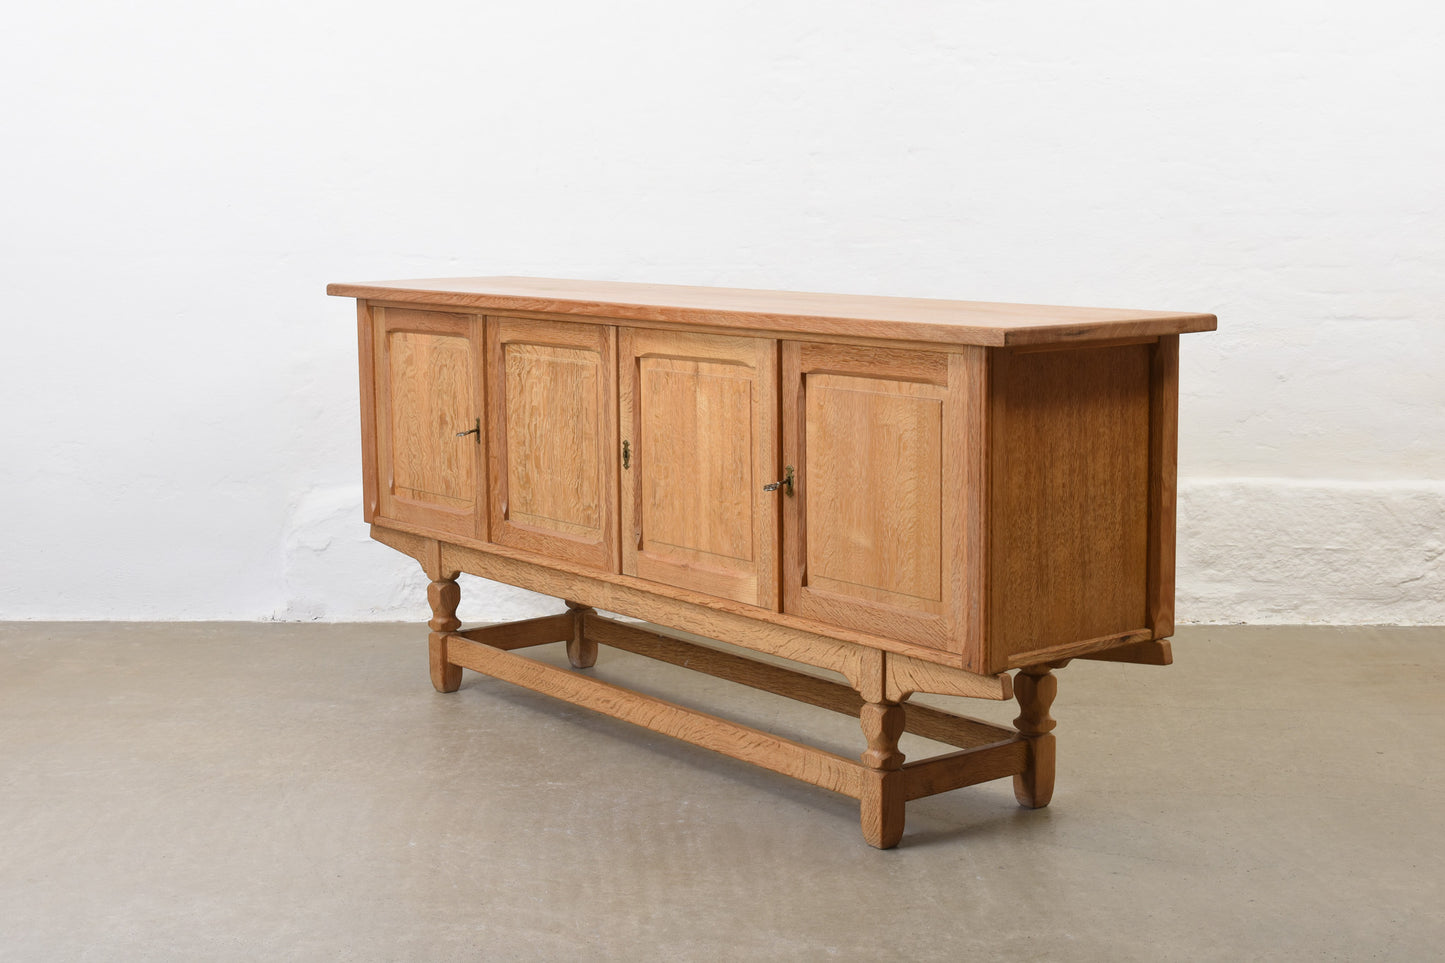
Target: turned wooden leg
{"x": 1035, "y": 688}
{"x": 581, "y": 651}
{"x": 881, "y": 808}
{"x": 443, "y": 594}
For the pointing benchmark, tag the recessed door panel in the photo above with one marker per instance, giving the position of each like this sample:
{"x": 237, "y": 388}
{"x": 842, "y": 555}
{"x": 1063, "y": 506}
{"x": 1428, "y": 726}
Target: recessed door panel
{"x": 429, "y": 452}
{"x": 551, "y": 462}
{"x": 553, "y": 438}
{"x": 431, "y": 378}
{"x": 875, "y": 481}
{"x": 875, "y": 538}
{"x": 699, "y": 420}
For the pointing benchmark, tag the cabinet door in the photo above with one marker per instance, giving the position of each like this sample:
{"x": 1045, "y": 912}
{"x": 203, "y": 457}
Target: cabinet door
{"x": 875, "y": 538}
{"x": 427, "y": 374}
{"x": 699, "y": 417}
{"x": 553, "y": 449}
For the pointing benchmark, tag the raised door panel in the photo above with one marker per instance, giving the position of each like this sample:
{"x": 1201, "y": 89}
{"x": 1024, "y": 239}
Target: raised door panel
{"x": 552, "y": 429}
{"x": 427, "y": 374}
{"x": 699, "y": 416}
{"x": 876, "y": 537}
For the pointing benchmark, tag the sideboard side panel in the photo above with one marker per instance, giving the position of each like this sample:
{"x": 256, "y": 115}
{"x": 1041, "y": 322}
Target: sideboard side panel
{"x": 968, "y": 449}
{"x": 1163, "y": 481}
{"x": 1069, "y": 494}
{"x": 367, "y": 373}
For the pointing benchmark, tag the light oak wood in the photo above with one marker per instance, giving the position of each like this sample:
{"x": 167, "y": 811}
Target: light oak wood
{"x": 552, "y": 427}
{"x": 1069, "y": 498}
{"x": 873, "y": 537}
{"x": 997, "y": 760}
{"x": 1143, "y": 652}
{"x": 970, "y": 373}
{"x": 427, "y": 391}
{"x": 882, "y": 780}
{"x": 882, "y": 723}
{"x": 724, "y": 665}
{"x": 796, "y": 313}
{"x": 817, "y": 766}
{"x": 1163, "y": 472}
{"x": 907, "y": 676}
{"x": 679, "y": 327}
{"x": 581, "y": 650}
{"x": 866, "y": 670}
{"x": 975, "y": 487}
{"x": 1035, "y": 689}
{"x": 699, "y": 419}
{"x": 926, "y": 721}
{"x": 840, "y": 649}
{"x": 443, "y": 596}
{"x": 1078, "y": 650}
{"x": 521, "y": 635}
{"x": 881, "y": 807}
{"x": 367, "y": 368}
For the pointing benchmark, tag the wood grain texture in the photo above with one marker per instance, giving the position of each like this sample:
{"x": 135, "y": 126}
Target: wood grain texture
{"x": 552, "y": 432}
{"x": 370, "y": 471}
{"x": 1163, "y": 482}
{"x": 1036, "y": 689}
{"x": 1078, "y": 650}
{"x": 883, "y": 782}
{"x": 830, "y": 647}
{"x": 866, "y": 670}
{"x": 1144, "y": 652}
{"x": 977, "y": 487}
{"x": 700, "y": 415}
{"x": 873, "y": 538}
{"x": 794, "y": 313}
{"x": 431, "y": 379}
{"x": 926, "y": 721}
{"x": 970, "y": 551}
{"x": 907, "y": 676}
{"x": 521, "y": 635}
{"x": 723, "y": 665}
{"x": 928, "y": 777}
{"x": 1069, "y": 498}
{"x": 882, "y": 724}
{"x": 816, "y": 766}
{"x": 581, "y": 649}
{"x": 873, "y": 519}
{"x": 427, "y": 382}
{"x": 443, "y": 596}
{"x": 881, "y": 807}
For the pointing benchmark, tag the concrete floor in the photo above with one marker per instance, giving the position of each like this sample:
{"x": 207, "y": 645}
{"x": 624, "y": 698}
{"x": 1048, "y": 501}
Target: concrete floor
{"x": 299, "y": 792}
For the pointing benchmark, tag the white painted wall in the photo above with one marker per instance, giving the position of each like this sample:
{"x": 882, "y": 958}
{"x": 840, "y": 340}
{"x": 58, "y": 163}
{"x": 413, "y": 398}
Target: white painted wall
{"x": 178, "y": 428}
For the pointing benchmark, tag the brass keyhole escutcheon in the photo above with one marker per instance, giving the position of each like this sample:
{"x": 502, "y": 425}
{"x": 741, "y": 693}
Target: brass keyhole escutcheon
{"x": 626, "y": 454}
{"x": 786, "y": 484}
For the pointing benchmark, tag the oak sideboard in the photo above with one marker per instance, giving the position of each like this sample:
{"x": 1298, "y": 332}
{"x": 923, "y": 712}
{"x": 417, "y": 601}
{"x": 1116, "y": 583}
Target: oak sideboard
{"x": 918, "y": 495}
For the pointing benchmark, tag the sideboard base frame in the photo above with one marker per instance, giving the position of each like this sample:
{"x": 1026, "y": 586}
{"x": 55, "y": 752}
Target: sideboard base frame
{"x": 881, "y": 781}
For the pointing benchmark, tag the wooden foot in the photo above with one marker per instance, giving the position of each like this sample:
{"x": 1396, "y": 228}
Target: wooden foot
{"x": 1035, "y": 688}
{"x": 581, "y": 651}
{"x": 443, "y": 594}
{"x": 882, "y": 803}
{"x": 881, "y": 808}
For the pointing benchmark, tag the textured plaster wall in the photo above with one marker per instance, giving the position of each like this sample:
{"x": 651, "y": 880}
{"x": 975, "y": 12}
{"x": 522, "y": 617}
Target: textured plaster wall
{"x": 178, "y": 434}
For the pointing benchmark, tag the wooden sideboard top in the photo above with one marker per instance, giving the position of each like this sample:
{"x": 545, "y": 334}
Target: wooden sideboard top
{"x": 791, "y": 312}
